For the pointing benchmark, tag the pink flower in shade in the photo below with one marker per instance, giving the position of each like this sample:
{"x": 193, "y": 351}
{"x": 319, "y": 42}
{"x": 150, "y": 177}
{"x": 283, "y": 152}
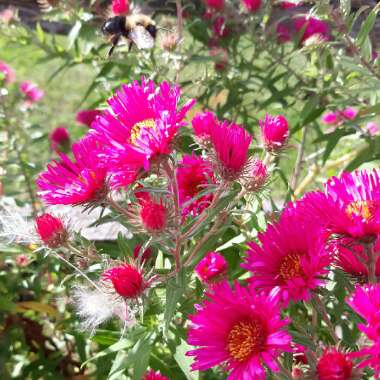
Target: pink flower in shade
{"x": 152, "y": 375}
{"x": 215, "y": 4}
{"x": 220, "y": 28}
{"x": 83, "y": 181}
{"x": 211, "y": 268}
{"x": 127, "y": 280}
{"x": 31, "y": 91}
{"x": 231, "y": 143}
{"x": 330, "y": 118}
{"x": 22, "y": 260}
{"x": 291, "y": 258}
{"x": 60, "y": 139}
{"x": 141, "y": 127}
{"x": 239, "y": 329}
{"x": 372, "y": 128}
{"x": 350, "y": 113}
{"x": 257, "y": 177}
{"x": 203, "y": 123}
{"x": 120, "y": 7}
{"x": 251, "y": 5}
{"x": 334, "y": 365}
{"x": 146, "y": 255}
{"x": 335, "y": 118}
{"x": 9, "y": 74}
{"x": 154, "y": 216}
{"x": 283, "y": 32}
{"x": 311, "y": 26}
{"x": 194, "y": 174}
{"x": 274, "y": 132}
{"x": 51, "y": 230}
{"x": 86, "y": 117}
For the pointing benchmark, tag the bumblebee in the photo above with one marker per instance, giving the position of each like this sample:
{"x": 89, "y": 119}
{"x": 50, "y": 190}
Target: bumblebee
{"x": 138, "y": 29}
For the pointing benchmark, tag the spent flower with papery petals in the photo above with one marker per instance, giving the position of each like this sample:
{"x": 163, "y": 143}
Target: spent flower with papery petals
{"x": 239, "y": 329}
{"x": 141, "y": 127}
{"x": 251, "y": 5}
{"x": 194, "y": 174}
{"x": 120, "y": 7}
{"x": 230, "y": 143}
{"x": 213, "y": 267}
{"x": 9, "y": 74}
{"x": 51, "y": 230}
{"x": 334, "y": 365}
{"x": 86, "y": 117}
{"x": 31, "y": 92}
{"x": 83, "y": 181}
{"x": 274, "y": 132}
{"x": 60, "y": 139}
{"x": 290, "y": 257}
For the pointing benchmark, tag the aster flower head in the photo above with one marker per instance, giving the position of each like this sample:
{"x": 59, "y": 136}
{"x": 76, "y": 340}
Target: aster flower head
{"x": 211, "y": 268}
{"x": 251, "y": 5}
{"x": 141, "y": 125}
{"x": 60, "y": 139}
{"x": 330, "y": 118}
{"x": 203, "y": 123}
{"x": 83, "y": 181}
{"x": 154, "y": 375}
{"x": 127, "y": 280}
{"x": 372, "y": 128}
{"x": 334, "y": 364}
{"x": 51, "y": 230}
{"x": 230, "y": 143}
{"x": 9, "y": 74}
{"x": 283, "y": 32}
{"x": 239, "y": 329}
{"x": 120, "y": 7}
{"x": 220, "y": 27}
{"x": 194, "y": 174}
{"x": 339, "y": 116}
{"x": 31, "y": 91}
{"x": 215, "y": 4}
{"x": 274, "y": 132}
{"x": 290, "y": 257}
{"x": 257, "y": 177}
{"x": 311, "y": 27}
{"x": 86, "y": 117}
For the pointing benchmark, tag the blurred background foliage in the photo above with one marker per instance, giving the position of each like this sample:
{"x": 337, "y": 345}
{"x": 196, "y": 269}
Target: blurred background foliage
{"x": 241, "y": 76}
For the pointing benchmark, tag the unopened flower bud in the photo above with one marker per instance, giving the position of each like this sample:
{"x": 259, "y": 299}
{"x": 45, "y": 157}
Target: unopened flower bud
{"x": 51, "y": 230}
{"x": 257, "y": 177}
{"x": 60, "y": 140}
{"x": 274, "y": 132}
{"x": 211, "y": 268}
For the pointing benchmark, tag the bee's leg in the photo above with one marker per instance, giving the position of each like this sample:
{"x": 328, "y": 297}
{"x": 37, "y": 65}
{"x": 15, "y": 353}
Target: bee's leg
{"x": 114, "y": 41}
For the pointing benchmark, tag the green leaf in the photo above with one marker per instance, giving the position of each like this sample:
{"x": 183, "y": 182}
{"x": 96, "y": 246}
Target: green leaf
{"x": 367, "y": 26}
{"x": 73, "y": 35}
{"x": 119, "y": 366}
{"x": 345, "y": 7}
{"x": 139, "y": 356}
{"x": 184, "y": 361}
{"x": 40, "y": 33}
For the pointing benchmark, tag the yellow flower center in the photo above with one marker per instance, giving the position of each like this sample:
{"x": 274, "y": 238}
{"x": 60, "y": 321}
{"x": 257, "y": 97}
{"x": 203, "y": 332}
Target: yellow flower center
{"x": 364, "y": 209}
{"x": 246, "y": 338}
{"x": 138, "y": 128}
{"x": 291, "y": 266}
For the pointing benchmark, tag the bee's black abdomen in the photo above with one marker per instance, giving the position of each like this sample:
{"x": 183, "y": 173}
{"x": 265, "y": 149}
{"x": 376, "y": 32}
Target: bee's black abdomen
{"x": 152, "y": 30}
{"x": 114, "y": 25}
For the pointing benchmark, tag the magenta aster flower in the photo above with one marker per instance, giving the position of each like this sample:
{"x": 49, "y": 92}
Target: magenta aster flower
{"x": 154, "y": 375}
{"x": 31, "y": 91}
{"x": 231, "y": 143}
{"x": 120, "y": 7}
{"x": 370, "y": 357}
{"x": 350, "y": 113}
{"x": 311, "y": 26}
{"x": 211, "y": 268}
{"x": 330, "y": 118}
{"x": 203, "y": 123}
{"x": 274, "y": 132}
{"x": 291, "y": 258}
{"x": 51, "y": 230}
{"x": 9, "y": 74}
{"x": 141, "y": 127}
{"x": 75, "y": 182}
{"x": 251, "y": 5}
{"x": 86, "y": 117}
{"x": 239, "y": 329}
{"x": 334, "y": 364}
{"x": 194, "y": 174}
{"x": 60, "y": 139}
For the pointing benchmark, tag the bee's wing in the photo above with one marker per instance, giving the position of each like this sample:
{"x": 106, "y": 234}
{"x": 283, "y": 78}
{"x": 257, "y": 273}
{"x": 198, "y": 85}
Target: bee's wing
{"x": 141, "y": 37}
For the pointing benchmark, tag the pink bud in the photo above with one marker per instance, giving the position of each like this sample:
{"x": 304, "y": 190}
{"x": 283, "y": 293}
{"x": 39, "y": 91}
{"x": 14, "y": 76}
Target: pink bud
{"x": 31, "y": 91}
{"x": 86, "y": 117}
{"x": 60, "y": 139}
{"x": 258, "y": 176}
{"x": 153, "y": 216}
{"x": 330, "y": 118}
{"x": 211, "y": 268}
{"x": 220, "y": 28}
{"x": 274, "y": 132}
{"x": 120, "y": 7}
{"x": 350, "y": 113}
{"x": 51, "y": 230}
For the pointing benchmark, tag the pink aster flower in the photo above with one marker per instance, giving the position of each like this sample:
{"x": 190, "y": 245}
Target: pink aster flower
{"x": 340, "y": 116}
{"x": 211, "y": 268}
{"x": 9, "y": 74}
{"x": 141, "y": 127}
{"x": 350, "y": 113}
{"x": 60, "y": 139}
{"x": 370, "y": 357}
{"x": 154, "y": 375}
{"x": 203, "y": 123}
{"x": 372, "y": 128}
{"x": 231, "y": 143}
{"x": 274, "y": 132}
{"x": 290, "y": 257}
{"x": 127, "y": 280}
{"x": 311, "y": 26}
{"x": 220, "y": 27}
{"x": 330, "y": 118}
{"x": 120, "y": 7}
{"x": 83, "y": 181}
{"x": 251, "y": 5}
{"x": 334, "y": 364}
{"x": 215, "y": 4}
{"x": 86, "y": 117}
{"x": 194, "y": 174}
{"x": 31, "y": 91}
{"x": 51, "y": 230}
{"x": 239, "y": 329}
